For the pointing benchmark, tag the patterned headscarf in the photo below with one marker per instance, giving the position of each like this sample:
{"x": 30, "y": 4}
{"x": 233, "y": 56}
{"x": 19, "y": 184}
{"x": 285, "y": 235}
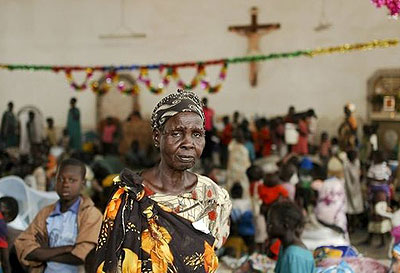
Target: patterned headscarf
{"x": 173, "y": 104}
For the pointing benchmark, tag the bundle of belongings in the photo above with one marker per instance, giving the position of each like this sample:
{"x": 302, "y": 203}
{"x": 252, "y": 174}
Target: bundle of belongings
{"x": 345, "y": 259}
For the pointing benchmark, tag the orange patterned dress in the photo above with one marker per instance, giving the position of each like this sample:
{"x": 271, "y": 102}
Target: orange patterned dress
{"x": 145, "y": 231}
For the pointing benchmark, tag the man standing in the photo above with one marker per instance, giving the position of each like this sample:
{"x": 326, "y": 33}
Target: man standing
{"x": 74, "y": 126}
{"x": 9, "y": 125}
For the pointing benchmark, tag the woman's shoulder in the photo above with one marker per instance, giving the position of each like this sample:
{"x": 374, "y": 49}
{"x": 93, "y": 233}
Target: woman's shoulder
{"x": 208, "y": 189}
{"x": 298, "y": 252}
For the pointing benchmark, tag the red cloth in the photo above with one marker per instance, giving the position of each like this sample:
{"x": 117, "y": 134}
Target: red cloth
{"x": 3, "y": 232}
{"x": 302, "y": 145}
{"x": 226, "y": 136}
{"x": 275, "y": 248}
{"x": 262, "y": 141}
{"x": 270, "y": 194}
{"x": 325, "y": 148}
{"x": 108, "y": 133}
{"x": 208, "y": 116}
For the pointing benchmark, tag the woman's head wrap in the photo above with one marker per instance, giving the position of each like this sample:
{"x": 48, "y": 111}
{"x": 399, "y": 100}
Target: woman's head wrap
{"x": 173, "y": 104}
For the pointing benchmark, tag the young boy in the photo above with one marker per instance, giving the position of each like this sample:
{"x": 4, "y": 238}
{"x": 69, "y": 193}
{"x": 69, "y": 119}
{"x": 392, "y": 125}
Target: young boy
{"x": 62, "y": 234}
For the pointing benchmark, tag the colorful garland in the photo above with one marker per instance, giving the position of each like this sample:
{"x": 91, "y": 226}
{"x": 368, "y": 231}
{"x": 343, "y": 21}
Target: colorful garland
{"x": 392, "y": 5}
{"x": 112, "y": 79}
{"x": 83, "y": 85}
{"x": 205, "y": 84}
{"x": 166, "y": 78}
{"x": 170, "y": 71}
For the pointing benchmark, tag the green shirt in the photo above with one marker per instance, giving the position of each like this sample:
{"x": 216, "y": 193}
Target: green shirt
{"x": 295, "y": 259}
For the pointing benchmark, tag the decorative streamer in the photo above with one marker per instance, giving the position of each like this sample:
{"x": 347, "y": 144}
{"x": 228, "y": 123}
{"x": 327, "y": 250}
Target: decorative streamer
{"x": 83, "y": 85}
{"x": 170, "y": 72}
{"x": 205, "y": 84}
{"x": 166, "y": 78}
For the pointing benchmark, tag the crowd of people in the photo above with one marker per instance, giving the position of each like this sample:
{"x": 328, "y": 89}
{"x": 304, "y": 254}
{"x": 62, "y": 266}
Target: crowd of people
{"x": 286, "y": 181}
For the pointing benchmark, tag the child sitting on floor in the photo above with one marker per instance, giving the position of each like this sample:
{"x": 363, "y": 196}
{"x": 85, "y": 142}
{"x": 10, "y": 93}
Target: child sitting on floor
{"x": 285, "y": 221}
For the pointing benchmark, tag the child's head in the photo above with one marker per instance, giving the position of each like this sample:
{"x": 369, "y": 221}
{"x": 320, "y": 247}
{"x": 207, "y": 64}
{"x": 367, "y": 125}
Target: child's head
{"x": 379, "y": 157}
{"x": 72, "y": 102}
{"x": 50, "y": 122}
{"x": 109, "y": 120}
{"x": 70, "y": 179}
{"x": 284, "y": 219}
{"x": 291, "y": 110}
{"x": 225, "y": 120}
{"x": 254, "y": 173}
{"x": 237, "y": 191}
{"x": 31, "y": 115}
{"x": 9, "y": 208}
{"x": 65, "y": 132}
{"x": 238, "y": 135}
{"x": 324, "y": 136}
{"x": 352, "y": 155}
{"x": 271, "y": 179}
{"x": 236, "y": 116}
{"x": 271, "y": 171}
{"x": 287, "y": 171}
{"x": 10, "y": 106}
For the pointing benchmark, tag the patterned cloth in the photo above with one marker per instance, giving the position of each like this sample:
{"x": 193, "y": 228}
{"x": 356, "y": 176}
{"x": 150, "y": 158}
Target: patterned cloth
{"x": 145, "y": 231}
{"x": 332, "y": 203}
{"x": 173, "y": 104}
{"x": 379, "y": 172}
{"x": 357, "y": 264}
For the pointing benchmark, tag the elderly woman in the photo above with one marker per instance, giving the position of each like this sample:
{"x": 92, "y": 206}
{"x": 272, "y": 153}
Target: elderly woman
{"x": 166, "y": 219}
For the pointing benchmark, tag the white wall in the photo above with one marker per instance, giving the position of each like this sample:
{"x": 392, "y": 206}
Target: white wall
{"x": 66, "y": 32}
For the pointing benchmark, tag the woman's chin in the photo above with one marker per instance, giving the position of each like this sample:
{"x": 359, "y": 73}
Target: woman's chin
{"x": 185, "y": 166}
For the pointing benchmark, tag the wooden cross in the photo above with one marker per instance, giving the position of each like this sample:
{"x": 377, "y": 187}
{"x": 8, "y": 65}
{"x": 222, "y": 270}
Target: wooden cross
{"x": 253, "y": 33}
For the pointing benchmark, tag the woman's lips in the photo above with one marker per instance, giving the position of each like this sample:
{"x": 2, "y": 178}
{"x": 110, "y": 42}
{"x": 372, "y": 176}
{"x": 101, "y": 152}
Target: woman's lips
{"x": 186, "y": 158}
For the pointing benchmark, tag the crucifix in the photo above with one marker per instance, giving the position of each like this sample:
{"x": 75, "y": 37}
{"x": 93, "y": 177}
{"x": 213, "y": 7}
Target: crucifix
{"x": 253, "y": 32}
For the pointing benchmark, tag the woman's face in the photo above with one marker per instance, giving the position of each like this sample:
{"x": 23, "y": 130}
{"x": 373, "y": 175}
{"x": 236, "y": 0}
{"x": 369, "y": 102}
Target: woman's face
{"x": 181, "y": 141}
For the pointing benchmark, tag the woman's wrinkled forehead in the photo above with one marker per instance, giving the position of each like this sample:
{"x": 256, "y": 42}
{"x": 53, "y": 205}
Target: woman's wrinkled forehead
{"x": 173, "y": 104}
{"x": 184, "y": 121}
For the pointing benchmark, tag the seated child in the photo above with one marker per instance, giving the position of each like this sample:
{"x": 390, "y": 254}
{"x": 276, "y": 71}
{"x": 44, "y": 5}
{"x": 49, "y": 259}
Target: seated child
{"x": 285, "y": 222}
{"x": 380, "y": 217}
{"x": 289, "y": 177}
{"x": 4, "y": 253}
{"x": 62, "y": 234}
{"x": 9, "y": 210}
{"x": 272, "y": 190}
{"x": 242, "y": 215}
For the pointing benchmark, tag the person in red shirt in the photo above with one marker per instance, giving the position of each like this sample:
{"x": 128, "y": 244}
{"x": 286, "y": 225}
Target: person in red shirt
{"x": 302, "y": 145}
{"x": 272, "y": 191}
{"x": 262, "y": 138}
{"x": 226, "y": 137}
